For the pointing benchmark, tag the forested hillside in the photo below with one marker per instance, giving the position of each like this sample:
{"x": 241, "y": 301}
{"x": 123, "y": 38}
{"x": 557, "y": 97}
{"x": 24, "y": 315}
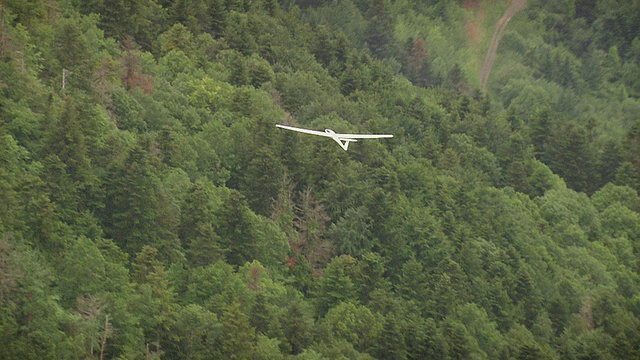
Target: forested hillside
{"x": 149, "y": 207}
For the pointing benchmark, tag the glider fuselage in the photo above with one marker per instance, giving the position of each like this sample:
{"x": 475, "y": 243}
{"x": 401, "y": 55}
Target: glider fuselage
{"x": 342, "y": 141}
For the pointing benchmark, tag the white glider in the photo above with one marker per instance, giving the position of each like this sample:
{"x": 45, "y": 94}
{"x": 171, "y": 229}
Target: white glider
{"x": 342, "y": 139}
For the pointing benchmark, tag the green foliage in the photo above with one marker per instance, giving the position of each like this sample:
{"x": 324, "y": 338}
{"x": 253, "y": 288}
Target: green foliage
{"x": 199, "y": 331}
{"x": 139, "y": 19}
{"x": 197, "y": 229}
{"x": 133, "y": 203}
{"x": 149, "y": 208}
{"x": 238, "y": 337}
{"x": 354, "y": 324}
{"x": 336, "y": 285}
{"x": 296, "y": 324}
{"x": 32, "y": 320}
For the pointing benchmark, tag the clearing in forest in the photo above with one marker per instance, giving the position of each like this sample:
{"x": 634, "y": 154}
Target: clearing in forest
{"x": 516, "y": 5}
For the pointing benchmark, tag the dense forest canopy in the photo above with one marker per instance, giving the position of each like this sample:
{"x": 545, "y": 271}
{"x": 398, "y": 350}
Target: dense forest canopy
{"x": 149, "y": 208}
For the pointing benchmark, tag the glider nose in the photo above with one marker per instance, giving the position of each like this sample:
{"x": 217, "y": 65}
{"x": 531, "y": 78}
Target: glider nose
{"x": 329, "y": 131}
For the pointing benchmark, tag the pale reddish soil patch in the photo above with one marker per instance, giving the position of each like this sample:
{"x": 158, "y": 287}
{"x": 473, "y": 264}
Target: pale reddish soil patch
{"x": 470, "y": 5}
{"x": 472, "y": 27}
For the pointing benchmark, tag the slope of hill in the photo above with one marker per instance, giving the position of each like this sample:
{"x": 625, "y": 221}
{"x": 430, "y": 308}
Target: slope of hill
{"x": 149, "y": 208}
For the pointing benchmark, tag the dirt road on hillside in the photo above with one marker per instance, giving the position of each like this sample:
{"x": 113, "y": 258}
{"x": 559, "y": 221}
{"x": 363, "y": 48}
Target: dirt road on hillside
{"x": 516, "y": 5}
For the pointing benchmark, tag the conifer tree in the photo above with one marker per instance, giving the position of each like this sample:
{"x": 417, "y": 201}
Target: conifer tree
{"x": 198, "y": 226}
{"x": 297, "y": 325}
{"x": 131, "y": 210}
{"x": 238, "y": 339}
{"x": 380, "y": 28}
{"x": 155, "y": 301}
{"x": 391, "y": 343}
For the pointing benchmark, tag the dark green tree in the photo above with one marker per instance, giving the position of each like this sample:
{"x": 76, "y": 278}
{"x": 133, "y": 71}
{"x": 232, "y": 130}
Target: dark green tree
{"x": 391, "y": 343}
{"x": 72, "y": 52}
{"x": 131, "y": 212}
{"x": 197, "y": 229}
{"x": 32, "y": 320}
{"x": 351, "y": 233}
{"x": 154, "y": 301}
{"x": 630, "y": 149}
{"x": 352, "y": 323}
{"x": 141, "y": 20}
{"x": 369, "y": 275}
{"x": 200, "y": 332}
{"x": 461, "y": 344}
{"x": 238, "y": 35}
{"x": 379, "y": 34}
{"x": 239, "y": 70}
{"x": 235, "y": 229}
{"x": 570, "y": 155}
{"x": 335, "y": 285}
{"x": 194, "y": 14}
{"x": 424, "y": 338}
{"x": 71, "y": 176}
{"x": 238, "y": 339}
{"x": 297, "y": 325}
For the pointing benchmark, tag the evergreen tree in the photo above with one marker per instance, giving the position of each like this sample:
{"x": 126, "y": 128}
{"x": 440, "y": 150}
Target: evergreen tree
{"x": 391, "y": 342}
{"x": 198, "y": 225}
{"x": 569, "y": 154}
{"x": 335, "y": 286}
{"x": 239, "y": 70}
{"x": 200, "y": 333}
{"x": 380, "y": 28}
{"x": 71, "y": 178}
{"x": 155, "y": 301}
{"x": 297, "y": 325}
{"x": 239, "y": 337}
{"x": 131, "y": 210}
{"x": 630, "y": 149}
{"x": 73, "y": 54}
{"x": 140, "y": 19}
{"x": 32, "y": 320}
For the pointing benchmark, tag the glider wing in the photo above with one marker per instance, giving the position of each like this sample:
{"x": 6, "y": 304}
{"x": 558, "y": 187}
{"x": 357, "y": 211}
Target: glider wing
{"x": 363, "y": 136}
{"x": 306, "y": 131}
